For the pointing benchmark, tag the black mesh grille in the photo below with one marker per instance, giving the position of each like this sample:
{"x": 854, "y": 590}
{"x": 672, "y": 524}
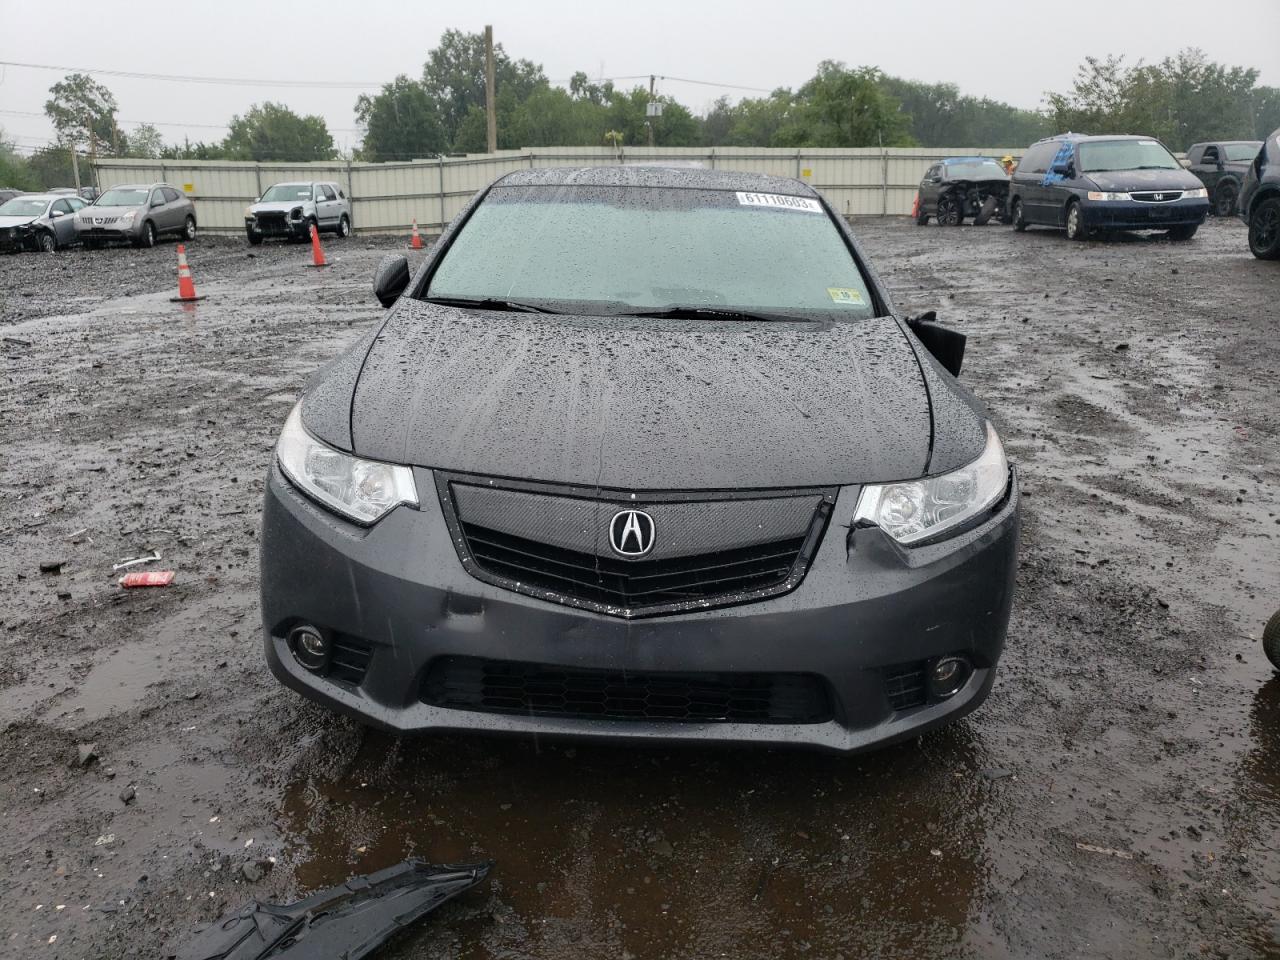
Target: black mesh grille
{"x": 493, "y": 686}
{"x": 632, "y": 584}
{"x": 906, "y": 685}
{"x": 1160, "y": 196}
{"x": 349, "y": 660}
{"x": 273, "y": 224}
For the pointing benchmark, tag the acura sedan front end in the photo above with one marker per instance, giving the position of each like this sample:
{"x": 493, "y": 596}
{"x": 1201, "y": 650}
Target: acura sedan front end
{"x": 608, "y": 504}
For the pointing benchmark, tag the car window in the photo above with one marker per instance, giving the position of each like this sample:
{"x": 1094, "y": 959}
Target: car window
{"x": 1242, "y": 151}
{"x": 328, "y": 192}
{"x": 157, "y": 196}
{"x": 628, "y": 248}
{"x": 76, "y": 203}
{"x": 62, "y": 206}
{"x": 123, "y": 197}
{"x": 23, "y": 207}
{"x": 282, "y": 192}
{"x": 170, "y": 195}
{"x": 1097, "y": 156}
{"x": 1210, "y": 155}
{"x": 934, "y": 171}
{"x": 1038, "y": 158}
{"x": 341, "y": 194}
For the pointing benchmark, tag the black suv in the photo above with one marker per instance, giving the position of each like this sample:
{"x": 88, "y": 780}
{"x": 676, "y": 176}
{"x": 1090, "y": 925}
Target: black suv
{"x": 1260, "y": 200}
{"x": 1221, "y": 167}
{"x": 1086, "y": 184}
{"x": 960, "y": 187}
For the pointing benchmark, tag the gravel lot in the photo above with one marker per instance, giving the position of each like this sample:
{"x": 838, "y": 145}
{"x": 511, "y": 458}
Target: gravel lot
{"x": 1118, "y": 796}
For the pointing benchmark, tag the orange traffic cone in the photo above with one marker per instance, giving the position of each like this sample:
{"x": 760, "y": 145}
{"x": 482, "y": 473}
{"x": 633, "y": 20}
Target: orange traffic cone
{"x": 186, "y": 286}
{"x": 915, "y": 207}
{"x": 416, "y": 242}
{"x": 317, "y": 254}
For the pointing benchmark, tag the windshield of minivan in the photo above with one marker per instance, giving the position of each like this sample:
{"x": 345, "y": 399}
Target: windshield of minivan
{"x": 123, "y": 198}
{"x": 287, "y": 191}
{"x": 1099, "y": 155}
{"x": 23, "y": 207}
{"x": 624, "y": 249}
{"x": 1242, "y": 151}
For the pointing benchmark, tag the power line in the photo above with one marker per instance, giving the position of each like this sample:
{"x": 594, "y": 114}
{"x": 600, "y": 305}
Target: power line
{"x": 179, "y": 78}
{"x": 163, "y": 123}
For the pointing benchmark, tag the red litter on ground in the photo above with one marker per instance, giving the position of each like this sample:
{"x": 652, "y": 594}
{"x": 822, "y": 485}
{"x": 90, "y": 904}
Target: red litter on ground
{"x": 147, "y": 578}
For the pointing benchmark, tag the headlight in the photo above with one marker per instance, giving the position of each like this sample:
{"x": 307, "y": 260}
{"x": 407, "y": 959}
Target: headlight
{"x": 1094, "y": 195}
{"x": 1200, "y": 193}
{"x": 127, "y": 218}
{"x": 296, "y": 213}
{"x": 248, "y": 213}
{"x": 361, "y": 490}
{"x": 919, "y": 509}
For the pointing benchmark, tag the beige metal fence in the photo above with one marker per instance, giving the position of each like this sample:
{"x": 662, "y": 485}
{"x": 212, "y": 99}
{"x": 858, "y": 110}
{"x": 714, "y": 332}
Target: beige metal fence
{"x": 386, "y": 197}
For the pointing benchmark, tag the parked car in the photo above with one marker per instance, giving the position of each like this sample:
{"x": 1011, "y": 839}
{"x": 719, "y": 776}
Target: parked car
{"x": 289, "y": 210}
{"x": 1260, "y": 200}
{"x": 137, "y": 213}
{"x": 1089, "y": 184}
{"x": 8, "y": 193}
{"x": 1221, "y": 167}
{"x": 960, "y": 187}
{"x": 642, "y": 453}
{"x": 38, "y": 221}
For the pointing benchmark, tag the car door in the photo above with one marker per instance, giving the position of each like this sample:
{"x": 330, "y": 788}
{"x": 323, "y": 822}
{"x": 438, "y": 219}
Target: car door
{"x": 77, "y": 204}
{"x": 1209, "y": 169}
{"x": 929, "y": 189}
{"x": 175, "y": 209}
{"x": 62, "y": 221}
{"x": 156, "y": 210}
{"x": 1027, "y": 180}
{"x": 331, "y": 211}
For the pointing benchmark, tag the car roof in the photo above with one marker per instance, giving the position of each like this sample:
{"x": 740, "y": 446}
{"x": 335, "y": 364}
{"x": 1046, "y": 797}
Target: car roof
{"x": 656, "y": 176}
{"x": 1090, "y": 137}
{"x": 40, "y": 196}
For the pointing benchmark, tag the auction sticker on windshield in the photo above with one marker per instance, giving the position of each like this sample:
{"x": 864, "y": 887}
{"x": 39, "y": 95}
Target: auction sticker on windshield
{"x": 779, "y": 200}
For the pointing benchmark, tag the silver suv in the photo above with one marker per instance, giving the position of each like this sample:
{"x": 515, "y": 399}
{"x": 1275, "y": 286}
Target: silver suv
{"x": 289, "y": 210}
{"x": 139, "y": 213}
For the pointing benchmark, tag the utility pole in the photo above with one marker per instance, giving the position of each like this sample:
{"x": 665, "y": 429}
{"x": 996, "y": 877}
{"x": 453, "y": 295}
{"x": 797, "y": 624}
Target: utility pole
{"x": 75, "y": 165}
{"x": 489, "y": 94}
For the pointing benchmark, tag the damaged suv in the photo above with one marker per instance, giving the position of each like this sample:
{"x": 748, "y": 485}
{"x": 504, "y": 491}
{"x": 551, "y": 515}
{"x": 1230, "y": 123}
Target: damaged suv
{"x": 959, "y": 187}
{"x": 642, "y": 453}
{"x": 291, "y": 209}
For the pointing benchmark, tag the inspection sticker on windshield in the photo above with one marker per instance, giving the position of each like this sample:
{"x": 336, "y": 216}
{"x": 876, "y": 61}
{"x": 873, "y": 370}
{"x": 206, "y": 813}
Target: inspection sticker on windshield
{"x": 846, "y": 296}
{"x": 780, "y": 200}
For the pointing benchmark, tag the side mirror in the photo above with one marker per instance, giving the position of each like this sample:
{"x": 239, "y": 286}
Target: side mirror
{"x": 56, "y": 213}
{"x": 1067, "y": 170}
{"x": 391, "y": 279}
{"x": 946, "y": 345}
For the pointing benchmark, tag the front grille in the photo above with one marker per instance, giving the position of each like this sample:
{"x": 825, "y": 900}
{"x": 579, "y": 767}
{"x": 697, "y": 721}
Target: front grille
{"x": 706, "y": 549}
{"x": 349, "y": 659}
{"x": 906, "y": 685}
{"x": 1158, "y": 196}
{"x": 273, "y": 224}
{"x": 494, "y": 686}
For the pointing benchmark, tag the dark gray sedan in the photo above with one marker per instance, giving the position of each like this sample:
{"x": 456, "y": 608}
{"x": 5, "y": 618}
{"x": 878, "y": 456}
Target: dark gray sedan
{"x": 642, "y": 453}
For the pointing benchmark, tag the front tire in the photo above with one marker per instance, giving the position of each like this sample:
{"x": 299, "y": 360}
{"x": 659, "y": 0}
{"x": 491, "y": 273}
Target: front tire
{"x": 1224, "y": 200}
{"x": 344, "y": 227}
{"x": 148, "y": 238}
{"x": 254, "y": 238}
{"x": 1271, "y": 639}
{"x": 1182, "y": 234}
{"x": 1075, "y": 222}
{"x": 1018, "y": 217}
{"x": 189, "y": 229}
{"x": 46, "y": 243}
{"x": 950, "y": 212}
{"x": 1264, "y": 229}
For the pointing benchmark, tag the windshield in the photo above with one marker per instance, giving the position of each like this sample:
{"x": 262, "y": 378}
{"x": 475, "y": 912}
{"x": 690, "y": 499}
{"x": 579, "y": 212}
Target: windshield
{"x": 124, "y": 197}
{"x": 23, "y": 207}
{"x": 1099, "y": 155}
{"x": 1242, "y": 151}
{"x": 282, "y": 192}
{"x": 976, "y": 170}
{"x": 624, "y": 249}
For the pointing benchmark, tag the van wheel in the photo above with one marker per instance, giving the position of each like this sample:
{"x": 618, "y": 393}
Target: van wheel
{"x": 1075, "y": 222}
{"x": 1224, "y": 200}
{"x": 344, "y": 227}
{"x": 950, "y": 213}
{"x": 1182, "y": 233}
{"x": 1017, "y": 217}
{"x": 1264, "y": 229}
{"x": 47, "y": 243}
{"x": 1271, "y": 639}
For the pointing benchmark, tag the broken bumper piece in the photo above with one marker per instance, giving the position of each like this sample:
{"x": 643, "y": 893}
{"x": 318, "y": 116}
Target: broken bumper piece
{"x": 346, "y": 922}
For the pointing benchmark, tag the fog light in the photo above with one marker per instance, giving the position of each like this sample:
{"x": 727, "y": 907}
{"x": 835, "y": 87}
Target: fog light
{"x": 309, "y": 647}
{"x": 947, "y": 676}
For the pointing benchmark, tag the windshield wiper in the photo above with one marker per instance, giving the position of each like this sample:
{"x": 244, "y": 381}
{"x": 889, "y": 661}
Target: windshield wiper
{"x": 490, "y": 303}
{"x": 678, "y": 312}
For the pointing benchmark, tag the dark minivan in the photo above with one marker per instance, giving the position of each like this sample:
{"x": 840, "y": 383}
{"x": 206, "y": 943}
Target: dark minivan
{"x": 1260, "y": 200}
{"x": 1091, "y": 184}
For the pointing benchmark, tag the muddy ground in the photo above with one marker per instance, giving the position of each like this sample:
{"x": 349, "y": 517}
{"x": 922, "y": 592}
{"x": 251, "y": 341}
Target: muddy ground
{"x": 1117, "y": 796}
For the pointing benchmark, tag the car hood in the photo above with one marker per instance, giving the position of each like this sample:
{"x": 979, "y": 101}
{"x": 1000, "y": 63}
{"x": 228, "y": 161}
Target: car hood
{"x": 94, "y": 210}
{"x": 1127, "y": 181}
{"x": 16, "y": 221}
{"x": 283, "y": 206}
{"x": 631, "y": 403}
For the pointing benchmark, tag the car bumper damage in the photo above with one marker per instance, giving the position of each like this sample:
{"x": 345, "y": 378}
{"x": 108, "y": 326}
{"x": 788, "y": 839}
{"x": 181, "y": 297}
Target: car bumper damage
{"x": 844, "y": 660}
{"x": 17, "y": 238}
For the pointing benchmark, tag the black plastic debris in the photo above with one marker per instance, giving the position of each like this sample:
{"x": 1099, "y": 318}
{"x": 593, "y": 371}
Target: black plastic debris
{"x": 346, "y": 922}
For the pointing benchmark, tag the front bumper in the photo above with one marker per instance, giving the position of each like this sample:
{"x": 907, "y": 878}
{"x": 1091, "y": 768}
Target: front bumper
{"x": 17, "y": 238}
{"x": 865, "y": 608}
{"x": 110, "y": 233}
{"x": 1133, "y": 215}
{"x": 277, "y": 227}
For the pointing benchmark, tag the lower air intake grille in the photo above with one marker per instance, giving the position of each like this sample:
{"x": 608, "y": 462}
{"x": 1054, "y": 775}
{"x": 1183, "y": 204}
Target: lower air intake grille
{"x": 349, "y": 660}
{"x": 493, "y": 686}
{"x": 906, "y": 685}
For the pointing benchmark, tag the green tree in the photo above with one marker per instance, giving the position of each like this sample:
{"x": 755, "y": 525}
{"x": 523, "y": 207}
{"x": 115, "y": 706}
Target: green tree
{"x": 51, "y": 167}
{"x": 82, "y": 111}
{"x": 15, "y": 172}
{"x": 271, "y": 131}
{"x": 454, "y": 78}
{"x": 1265, "y": 107}
{"x": 144, "y": 142}
{"x": 402, "y": 122}
{"x": 842, "y": 107}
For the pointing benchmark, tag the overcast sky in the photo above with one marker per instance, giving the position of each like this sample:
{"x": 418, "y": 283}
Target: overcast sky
{"x": 1013, "y": 52}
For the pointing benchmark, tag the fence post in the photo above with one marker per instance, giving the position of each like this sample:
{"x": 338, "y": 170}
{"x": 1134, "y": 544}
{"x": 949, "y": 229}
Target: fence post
{"x": 713, "y": 158}
{"x": 797, "y": 164}
{"x": 884, "y": 182}
{"x": 440, "y": 161}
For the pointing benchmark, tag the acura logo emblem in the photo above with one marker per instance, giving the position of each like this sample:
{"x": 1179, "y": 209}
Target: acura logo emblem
{"x": 631, "y": 533}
